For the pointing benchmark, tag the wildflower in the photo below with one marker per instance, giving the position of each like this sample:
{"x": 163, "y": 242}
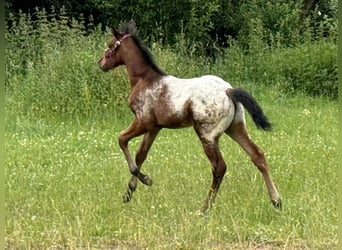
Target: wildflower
{"x": 306, "y": 112}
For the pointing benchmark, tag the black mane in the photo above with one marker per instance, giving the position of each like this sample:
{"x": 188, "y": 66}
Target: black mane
{"x": 130, "y": 28}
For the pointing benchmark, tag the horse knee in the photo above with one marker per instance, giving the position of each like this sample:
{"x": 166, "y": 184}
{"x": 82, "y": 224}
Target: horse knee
{"x": 123, "y": 143}
{"x": 219, "y": 171}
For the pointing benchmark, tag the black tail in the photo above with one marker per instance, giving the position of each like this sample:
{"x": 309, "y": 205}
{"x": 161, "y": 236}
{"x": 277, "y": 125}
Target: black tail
{"x": 253, "y": 108}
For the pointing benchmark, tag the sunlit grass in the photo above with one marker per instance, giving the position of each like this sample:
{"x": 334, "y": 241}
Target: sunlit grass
{"x": 65, "y": 182}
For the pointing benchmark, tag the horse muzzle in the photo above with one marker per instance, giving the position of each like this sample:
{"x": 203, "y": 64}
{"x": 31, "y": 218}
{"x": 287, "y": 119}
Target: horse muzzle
{"x": 102, "y": 64}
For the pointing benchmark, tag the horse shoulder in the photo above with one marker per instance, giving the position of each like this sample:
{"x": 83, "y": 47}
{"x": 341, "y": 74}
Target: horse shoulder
{"x": 141, "y": 100}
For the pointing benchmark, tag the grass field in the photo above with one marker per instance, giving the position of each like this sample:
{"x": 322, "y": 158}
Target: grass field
{"x": 65, "y": 181}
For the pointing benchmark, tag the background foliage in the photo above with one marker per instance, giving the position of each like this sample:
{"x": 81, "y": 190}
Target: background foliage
{"x": 207, "y": 23}
{"x": 51, "y": 55}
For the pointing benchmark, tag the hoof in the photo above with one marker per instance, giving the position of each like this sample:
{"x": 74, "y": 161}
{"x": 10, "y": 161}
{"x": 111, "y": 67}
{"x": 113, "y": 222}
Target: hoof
{"x": 201, "y": 212}
{"x": 277, "y": 204}
{"x": 145, "y": 179}
{"x": 127, "y": 197}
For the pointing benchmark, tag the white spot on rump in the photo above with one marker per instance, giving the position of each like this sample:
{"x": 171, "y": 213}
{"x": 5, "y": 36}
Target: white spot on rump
{"x": 210, "y": 105}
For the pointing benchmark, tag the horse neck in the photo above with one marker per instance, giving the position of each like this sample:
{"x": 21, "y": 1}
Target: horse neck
{"x": 138, "y": 69}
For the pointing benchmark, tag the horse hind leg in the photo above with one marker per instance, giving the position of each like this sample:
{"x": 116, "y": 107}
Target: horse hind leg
{"x": 214, "y": 155}
{"x": 238, "y": 132}
{"x": 140, "y": 157}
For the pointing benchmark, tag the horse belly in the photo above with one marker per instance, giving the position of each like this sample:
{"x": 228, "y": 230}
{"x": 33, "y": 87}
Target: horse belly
{"x": 169, "y": 116}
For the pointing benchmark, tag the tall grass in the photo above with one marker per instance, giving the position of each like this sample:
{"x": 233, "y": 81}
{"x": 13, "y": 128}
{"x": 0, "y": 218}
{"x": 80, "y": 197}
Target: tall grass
{"x": 51, "y": 67}
{"x": 55, "y": 74}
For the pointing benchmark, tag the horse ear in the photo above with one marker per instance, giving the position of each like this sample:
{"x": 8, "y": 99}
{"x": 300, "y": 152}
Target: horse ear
{"x": 132, "y": 26}
{"x": 116, "y": 34}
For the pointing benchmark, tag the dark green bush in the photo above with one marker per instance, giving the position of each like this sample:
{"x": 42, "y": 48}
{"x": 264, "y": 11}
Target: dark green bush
{"x": 313, "y": 69}
{"x": 309, "y": 68}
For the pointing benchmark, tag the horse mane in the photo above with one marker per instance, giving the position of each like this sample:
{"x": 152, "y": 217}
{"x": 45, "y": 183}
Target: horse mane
{"x": 130, "y": 28}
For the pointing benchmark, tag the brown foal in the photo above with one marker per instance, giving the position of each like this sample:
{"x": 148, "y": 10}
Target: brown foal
{"x": 208, "y": 103}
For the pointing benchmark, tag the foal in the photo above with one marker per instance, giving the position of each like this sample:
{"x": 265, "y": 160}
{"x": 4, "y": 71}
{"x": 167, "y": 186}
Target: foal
{"x": 208, "y": 103}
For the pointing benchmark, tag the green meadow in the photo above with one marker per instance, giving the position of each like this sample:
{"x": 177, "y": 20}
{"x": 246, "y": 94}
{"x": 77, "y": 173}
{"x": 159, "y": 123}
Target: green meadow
{"x": 65, "y": 173}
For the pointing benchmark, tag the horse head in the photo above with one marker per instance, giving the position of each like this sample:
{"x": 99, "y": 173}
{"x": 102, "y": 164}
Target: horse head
{"x": 112, "y": 56}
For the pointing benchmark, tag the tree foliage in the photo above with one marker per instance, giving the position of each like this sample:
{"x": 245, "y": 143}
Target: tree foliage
{"x": 207, "y": 25}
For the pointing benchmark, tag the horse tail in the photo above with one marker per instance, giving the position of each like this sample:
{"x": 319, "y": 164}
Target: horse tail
{"x": 253, "y": 108}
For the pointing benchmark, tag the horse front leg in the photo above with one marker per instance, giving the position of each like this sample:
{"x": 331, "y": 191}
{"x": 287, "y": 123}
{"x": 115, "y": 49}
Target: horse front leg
{"x": 134, "y": 130}
{"x": 140, "y": 157}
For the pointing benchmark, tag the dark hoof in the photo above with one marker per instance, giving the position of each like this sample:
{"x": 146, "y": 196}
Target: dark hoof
{"x": 145, "y": 179}
{"x": 127, "y": 197}
{"x": 206, "y": 207}
{"x": 277, "y": 204}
